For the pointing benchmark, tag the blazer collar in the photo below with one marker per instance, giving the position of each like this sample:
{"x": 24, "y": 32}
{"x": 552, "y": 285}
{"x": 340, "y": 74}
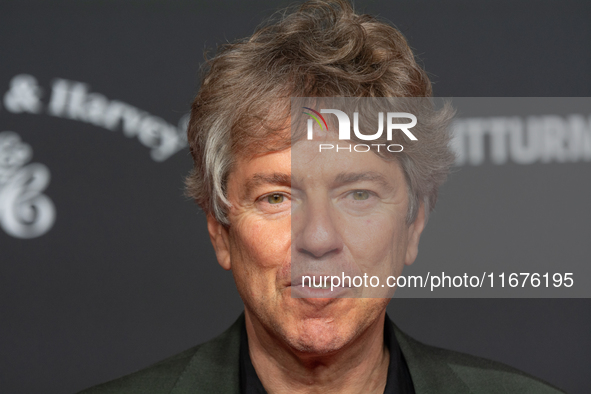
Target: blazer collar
{"x": 215, "y": 366}
{"x": 428, "y": 367}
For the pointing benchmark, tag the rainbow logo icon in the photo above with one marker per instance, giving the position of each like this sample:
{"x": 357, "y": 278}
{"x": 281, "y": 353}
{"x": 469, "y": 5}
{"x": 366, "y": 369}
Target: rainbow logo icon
{"x": 316, "y": 118}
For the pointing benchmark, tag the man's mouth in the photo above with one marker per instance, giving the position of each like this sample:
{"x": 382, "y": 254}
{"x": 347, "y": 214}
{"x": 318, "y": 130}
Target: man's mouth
{"x": 320, "y": 287}
{"x": 316, "y": 286}
{"x": 314, "y": 281}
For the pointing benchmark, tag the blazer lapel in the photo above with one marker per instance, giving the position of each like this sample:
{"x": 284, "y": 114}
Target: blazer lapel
{"x": 215, "y": 366}
{"x": 429, "y": 371}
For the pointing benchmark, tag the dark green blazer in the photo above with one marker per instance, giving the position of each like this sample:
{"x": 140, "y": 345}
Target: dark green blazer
{"x": 213, "y": 368}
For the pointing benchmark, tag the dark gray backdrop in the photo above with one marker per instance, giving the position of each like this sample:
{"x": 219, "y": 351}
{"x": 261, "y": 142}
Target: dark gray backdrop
{"x": 126, "y": 275}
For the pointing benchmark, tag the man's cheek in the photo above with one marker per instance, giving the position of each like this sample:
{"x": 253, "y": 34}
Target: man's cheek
{"x": 370, "y": 236}
{"x": 266, "y": 242}
{"x": 377, "y": 249}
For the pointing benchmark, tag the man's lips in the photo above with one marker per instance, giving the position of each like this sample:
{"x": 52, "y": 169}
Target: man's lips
{"x": 322, "y": 294}
{"x": 319, "y": 293}
{"x": 323, "y": 279}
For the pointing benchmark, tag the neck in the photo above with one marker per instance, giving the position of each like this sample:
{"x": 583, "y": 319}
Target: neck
{"x": 361, "y": 366}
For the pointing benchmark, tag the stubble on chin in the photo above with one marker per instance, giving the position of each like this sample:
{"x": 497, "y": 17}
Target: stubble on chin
{"x": 323, "y": 335}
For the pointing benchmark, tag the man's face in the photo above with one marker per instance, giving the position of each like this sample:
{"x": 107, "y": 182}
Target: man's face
{"x": 326, "y": 213}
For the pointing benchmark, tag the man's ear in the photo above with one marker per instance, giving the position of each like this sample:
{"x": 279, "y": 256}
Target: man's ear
{"x": 414, "y": 235}
{"x": 218, "y": 234}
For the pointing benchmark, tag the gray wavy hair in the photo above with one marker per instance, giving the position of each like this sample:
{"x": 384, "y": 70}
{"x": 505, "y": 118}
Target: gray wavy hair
{"x": 320, "y": 49}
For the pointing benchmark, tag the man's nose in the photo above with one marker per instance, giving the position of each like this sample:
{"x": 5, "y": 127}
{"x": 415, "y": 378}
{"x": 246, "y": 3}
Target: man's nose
{"x": 317, "y": 233}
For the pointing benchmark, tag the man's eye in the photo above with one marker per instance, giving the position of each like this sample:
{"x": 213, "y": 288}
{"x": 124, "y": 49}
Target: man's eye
{"x": 275, "y": 198}
{"x": 360, "y": 195}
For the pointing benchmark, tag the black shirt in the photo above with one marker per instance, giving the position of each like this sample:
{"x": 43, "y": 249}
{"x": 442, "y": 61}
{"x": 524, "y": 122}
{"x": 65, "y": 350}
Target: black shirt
{"x": 398, "y": 381}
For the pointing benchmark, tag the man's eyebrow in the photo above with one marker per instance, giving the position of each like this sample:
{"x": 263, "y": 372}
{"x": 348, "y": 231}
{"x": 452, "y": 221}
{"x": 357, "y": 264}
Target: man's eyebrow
{"x": 258, "y": 179}
{"x": 372, "y": 176}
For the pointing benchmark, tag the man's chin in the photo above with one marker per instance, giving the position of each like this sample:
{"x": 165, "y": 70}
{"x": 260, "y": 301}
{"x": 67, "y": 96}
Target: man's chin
{"x": 320, "y": 326}
{"x": 319, "y": 336}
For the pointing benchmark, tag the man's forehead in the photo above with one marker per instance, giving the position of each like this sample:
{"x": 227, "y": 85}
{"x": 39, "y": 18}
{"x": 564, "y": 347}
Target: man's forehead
{"x": 274, "y": 178}
{"x": 343, "y": 178}
{"x": 289, "y": 167}
{"x": 288, "y": 179}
